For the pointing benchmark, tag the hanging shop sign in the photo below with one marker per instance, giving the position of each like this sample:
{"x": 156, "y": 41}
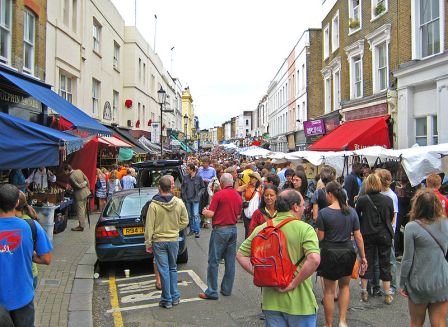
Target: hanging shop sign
{"x": 314, "y": 127}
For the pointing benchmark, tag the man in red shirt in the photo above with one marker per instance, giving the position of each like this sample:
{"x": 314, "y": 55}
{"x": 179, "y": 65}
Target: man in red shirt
{"x": 434, "y": 182}
{"x": 224, "y": 210}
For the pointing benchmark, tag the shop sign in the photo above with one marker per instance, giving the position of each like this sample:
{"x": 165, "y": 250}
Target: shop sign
{"x": 107, "y": 111}
{"x": 19, "y": 99}
{"x": 314, "y": 127}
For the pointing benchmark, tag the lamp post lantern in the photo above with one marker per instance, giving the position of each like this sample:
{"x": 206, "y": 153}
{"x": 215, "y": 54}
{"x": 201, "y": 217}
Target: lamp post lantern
{"x": 162, "y": 97}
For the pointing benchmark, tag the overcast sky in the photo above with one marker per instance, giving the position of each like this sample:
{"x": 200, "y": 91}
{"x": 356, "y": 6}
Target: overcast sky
{"x": 227, "y": 52}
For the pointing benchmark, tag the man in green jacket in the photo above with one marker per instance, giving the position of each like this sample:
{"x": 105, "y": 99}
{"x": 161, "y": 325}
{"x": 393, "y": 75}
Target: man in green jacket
{"x": 167, "y": 215}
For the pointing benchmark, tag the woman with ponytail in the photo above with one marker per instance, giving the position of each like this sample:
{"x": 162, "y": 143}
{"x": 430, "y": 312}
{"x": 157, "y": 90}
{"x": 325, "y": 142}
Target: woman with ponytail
{"x": 336, "y": 224}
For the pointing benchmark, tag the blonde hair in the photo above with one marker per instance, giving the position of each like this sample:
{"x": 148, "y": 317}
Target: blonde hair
{"x": 426, "y": 205}
{"x": 385, "y": 177}
{"x": 373, "y": 184}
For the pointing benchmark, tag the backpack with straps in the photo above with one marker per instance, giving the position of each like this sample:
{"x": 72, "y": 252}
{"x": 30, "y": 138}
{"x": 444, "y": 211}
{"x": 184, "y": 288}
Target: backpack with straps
{"x": 269, "y": 257}
{"x": 33, "y": 227}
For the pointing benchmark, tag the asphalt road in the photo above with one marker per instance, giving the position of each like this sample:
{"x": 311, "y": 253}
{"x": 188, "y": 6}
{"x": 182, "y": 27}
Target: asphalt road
{"x": 133, "y": 302}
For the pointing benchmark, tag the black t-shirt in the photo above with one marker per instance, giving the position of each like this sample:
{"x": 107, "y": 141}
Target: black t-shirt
{"x": 368, "y": 217}
{"x": 338, "y": 227}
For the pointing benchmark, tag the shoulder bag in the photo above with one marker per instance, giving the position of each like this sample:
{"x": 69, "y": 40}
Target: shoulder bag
{"x": 434, "y": 238}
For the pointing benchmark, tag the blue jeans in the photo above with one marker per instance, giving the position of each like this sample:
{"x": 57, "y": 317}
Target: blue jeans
{"x": 222, "y": 245}
{"x": 23, "y": 317}
{"x": 165, "y": 255}
{"x": 193, "y": 215}
{"x": 281, "y": 319}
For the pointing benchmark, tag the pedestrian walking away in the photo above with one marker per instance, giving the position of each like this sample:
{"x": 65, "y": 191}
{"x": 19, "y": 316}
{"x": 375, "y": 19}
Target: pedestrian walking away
{"x": 224, "y": 211}
{"x": 81, "y": 186}
{"x": 296, "y": 304}
{"x": 166, "y": 216}
{"x": 193, "y": 188}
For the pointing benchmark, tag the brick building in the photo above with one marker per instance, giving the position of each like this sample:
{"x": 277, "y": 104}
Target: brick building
{"x": 363, "y": 41}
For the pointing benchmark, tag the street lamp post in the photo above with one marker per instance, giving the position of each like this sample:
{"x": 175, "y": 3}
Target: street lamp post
{"x": 186, "y": 134}
{"x": 162, "y": 97}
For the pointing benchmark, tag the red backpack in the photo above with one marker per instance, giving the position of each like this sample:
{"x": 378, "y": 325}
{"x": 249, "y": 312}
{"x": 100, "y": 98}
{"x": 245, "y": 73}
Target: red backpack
{"x": 269, "y": 257}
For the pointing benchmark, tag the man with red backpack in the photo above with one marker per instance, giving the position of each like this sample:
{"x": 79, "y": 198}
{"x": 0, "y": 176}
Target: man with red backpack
{"x": 294, "y": 247}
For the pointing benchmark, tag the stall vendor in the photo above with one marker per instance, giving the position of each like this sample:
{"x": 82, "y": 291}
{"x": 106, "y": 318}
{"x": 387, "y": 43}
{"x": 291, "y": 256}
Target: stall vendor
{"x": 40, "y": 178}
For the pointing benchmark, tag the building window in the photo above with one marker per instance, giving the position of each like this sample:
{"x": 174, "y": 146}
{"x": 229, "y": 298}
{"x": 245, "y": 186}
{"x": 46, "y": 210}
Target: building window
{"x": 65, "y": 87}
{"x": 327, "y": 94}
{"x": 29, "y": 36}
{"x": 115, "y": 106}
{"x": 379, "y": 8}
{"x": 303, "y": 76}
{"x": 326, "y": 41}
{"x": 335, "y": 33}
{"x": 74, "y": 15}
{"x": 421, "y": 131}
{"x": 116, "y": 56}
{"x": 382, "y": 67}
{"x": 247, "y": 122}
{"x": 298, "y": 81}
{"x": 357, "y": 77}
{"x": 336, "y": 89}
{"x": 354, "y": 21}
{"x": 430, "y": 27}
{"x": 95, "y": 96}
{"x": 66, "y": 12}
{"x": 435, "y": 133}
{"x": 139, "y": 69}
{"x": 5, "y": 31}
{"x": 96, "y": 36}
{"x": 144, "y": 73}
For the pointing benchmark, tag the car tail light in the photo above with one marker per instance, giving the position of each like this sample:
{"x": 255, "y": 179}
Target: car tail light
{"x": 106, "y": 231}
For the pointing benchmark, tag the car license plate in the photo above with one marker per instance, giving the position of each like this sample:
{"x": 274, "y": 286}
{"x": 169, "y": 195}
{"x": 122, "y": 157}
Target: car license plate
{"x": 133, "y": 230}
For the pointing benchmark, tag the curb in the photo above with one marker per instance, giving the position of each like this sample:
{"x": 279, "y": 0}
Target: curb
{"x": 80, "y": 305}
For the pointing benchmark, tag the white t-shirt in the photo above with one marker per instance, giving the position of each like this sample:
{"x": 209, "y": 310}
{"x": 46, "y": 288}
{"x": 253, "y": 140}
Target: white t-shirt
{"x": 394, "y": 198}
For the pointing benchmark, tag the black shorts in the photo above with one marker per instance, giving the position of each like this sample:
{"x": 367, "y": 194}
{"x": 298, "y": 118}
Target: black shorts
{"x": 336, "y": 260}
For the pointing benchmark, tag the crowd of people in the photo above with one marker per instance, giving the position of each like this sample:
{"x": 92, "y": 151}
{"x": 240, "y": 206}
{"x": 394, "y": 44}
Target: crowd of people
{"x": 345, "y": 227}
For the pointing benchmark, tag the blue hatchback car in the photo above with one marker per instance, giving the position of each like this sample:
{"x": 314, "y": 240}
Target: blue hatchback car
{"x": 119, "y": 233}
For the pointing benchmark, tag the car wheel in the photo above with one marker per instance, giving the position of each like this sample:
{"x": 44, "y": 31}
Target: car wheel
{"x": 183, "y": 258}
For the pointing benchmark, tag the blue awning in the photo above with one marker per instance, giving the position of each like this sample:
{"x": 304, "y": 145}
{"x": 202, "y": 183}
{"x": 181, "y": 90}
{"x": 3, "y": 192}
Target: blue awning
{"x": 44, "y": 94}
{"x": 24, "y": 144}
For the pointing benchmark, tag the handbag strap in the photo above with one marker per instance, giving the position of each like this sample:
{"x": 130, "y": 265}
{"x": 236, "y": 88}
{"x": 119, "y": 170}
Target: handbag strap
{"x": 432, "y": 235}
{"x": 373, "y": 205}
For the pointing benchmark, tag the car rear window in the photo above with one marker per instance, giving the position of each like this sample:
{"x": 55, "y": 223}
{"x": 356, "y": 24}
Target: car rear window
{"x": 126, "y": 206}
{"x": 151, "y": 177}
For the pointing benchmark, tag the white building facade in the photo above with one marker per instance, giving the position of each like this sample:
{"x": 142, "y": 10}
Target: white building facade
{"x": 244, "y": 125}
{"x": 422, "y": 84}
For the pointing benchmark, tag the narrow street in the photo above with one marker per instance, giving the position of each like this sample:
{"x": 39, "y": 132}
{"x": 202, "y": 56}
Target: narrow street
{"x": 133, "y": 302}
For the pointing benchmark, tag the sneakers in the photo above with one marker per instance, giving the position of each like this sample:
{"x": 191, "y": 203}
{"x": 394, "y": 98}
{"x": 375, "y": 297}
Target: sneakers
{"x": 196, "y": 235}
{"x": 388, "y": 299}
{"x": 176, "y": 302}
{"x": 364, "y": 296}
{"x": 78, "y": 229}
{"x": 190, "y": 233}
{"x": 165, "y": 305}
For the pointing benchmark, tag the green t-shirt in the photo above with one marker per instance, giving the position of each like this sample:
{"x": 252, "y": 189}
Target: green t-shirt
{"x": 34, "y": 266}
{"x": 301, "y": 240}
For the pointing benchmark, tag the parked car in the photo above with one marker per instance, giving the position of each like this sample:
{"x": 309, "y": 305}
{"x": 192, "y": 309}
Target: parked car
{"x": 119, "y": 233}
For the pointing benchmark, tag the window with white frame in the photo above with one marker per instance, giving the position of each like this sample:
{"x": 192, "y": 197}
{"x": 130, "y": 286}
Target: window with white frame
{"x": 5, "y": 31}
{"x": 379, "y": 8}
{"x": 298, "y": 80}
{"x": 29, "y": 37}
{"x": 326, "y": 36}
{"x": 430, "y": 27}
{"x": 426, "y": 131}
{"x": 303, "y": 77}
{"x": 382, "y": 66}
{"x": 379, "y": 44}
{"x": 335, "y": 33}
{"x": 355, "y": 54}
{"x": 66, "y": 12}
{"x": 336, "y": 89}
{"x": 95, "y": 96}
{"x": 327, "y": 94}
{"x": 65, "y": 87}
{"x": 116, "y": 59}
{"x": 357, "y": 76}
{"x": 74, "y": 15}
{"x": 96, "y": 36}
{"x": 115, "y": 106}
{"x": 354, "y": 9}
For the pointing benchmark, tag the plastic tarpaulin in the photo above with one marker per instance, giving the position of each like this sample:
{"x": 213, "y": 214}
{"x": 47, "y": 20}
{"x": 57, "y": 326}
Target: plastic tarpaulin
{"x": 44, "y": 94}
{"x": 24, "y": 144}
{"x": 125, "y": 154}
{"x": 355, "y": 134}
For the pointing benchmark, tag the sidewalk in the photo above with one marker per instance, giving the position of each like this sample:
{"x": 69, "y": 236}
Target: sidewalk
{"x": 59, "y": 296}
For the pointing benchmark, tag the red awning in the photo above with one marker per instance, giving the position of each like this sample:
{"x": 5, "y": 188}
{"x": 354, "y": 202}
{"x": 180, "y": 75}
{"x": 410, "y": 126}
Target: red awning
{"x": 354, "y": 135}
{"x": 114, "y": 141}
